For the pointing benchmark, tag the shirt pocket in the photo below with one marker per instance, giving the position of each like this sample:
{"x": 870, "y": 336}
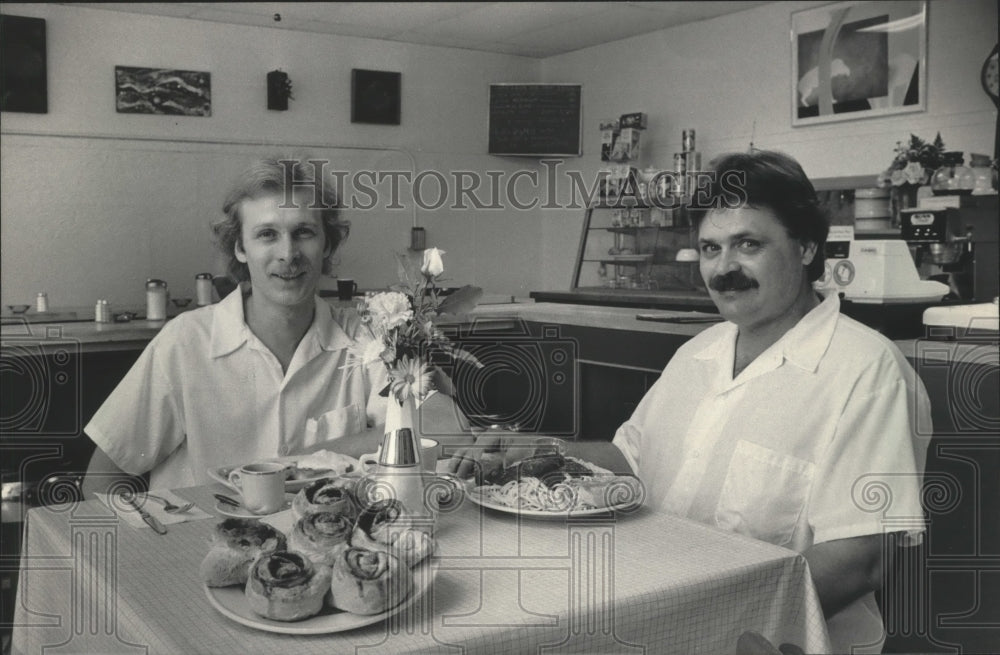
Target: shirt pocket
{"x": 335, "y": 424}
{"x": 764, "y": 493}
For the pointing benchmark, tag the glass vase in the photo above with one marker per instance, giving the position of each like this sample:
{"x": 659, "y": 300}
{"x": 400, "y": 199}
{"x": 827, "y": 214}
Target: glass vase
{"x": 398, "y": 473}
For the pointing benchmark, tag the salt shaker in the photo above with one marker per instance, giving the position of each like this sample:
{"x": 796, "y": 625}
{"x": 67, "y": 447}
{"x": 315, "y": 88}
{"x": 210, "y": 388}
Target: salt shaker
{"x": 156, "y": 300}
{"x": 203, "y": 288}
{"x": 42, "y": 302}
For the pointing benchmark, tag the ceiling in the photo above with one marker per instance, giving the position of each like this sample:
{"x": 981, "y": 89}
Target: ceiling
{"x": 530, "y": 29}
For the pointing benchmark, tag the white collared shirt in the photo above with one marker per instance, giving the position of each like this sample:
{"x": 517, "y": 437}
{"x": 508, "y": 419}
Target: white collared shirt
{"x": 814, "y": 441}
{"x": 206, "y": 392}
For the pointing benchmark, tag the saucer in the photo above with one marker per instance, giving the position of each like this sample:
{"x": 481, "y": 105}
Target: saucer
{"x": 242, "y": 512}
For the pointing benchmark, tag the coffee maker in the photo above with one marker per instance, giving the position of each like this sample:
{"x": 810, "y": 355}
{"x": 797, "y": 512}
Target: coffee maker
{"x": 957, "y": 246}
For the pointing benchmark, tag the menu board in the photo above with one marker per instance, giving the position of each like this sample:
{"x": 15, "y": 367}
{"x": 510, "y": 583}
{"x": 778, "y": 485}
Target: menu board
{"x": 534, "y": 119}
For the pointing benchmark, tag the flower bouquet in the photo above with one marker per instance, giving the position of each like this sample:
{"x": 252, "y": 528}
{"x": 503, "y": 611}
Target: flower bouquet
{"x": 913, "y": 165}
{"x": 914, "y": 162}
{"x": 406, "y": 340}
{"x": 401, "y": 322}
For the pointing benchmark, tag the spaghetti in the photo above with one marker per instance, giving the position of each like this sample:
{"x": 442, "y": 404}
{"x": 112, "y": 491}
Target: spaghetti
{"x": 533, "y": 494}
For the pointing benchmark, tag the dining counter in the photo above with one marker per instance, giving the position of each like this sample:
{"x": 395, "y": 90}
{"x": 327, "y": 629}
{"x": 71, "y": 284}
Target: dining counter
{"x": 637, "y": 581}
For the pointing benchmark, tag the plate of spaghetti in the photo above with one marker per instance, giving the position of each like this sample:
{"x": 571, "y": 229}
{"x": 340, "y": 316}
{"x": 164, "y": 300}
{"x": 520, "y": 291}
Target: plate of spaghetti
{"x": 577, "y": 496}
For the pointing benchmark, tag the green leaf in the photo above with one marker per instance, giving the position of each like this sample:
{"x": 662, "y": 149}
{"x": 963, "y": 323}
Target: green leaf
{"x": 462, "y": 301}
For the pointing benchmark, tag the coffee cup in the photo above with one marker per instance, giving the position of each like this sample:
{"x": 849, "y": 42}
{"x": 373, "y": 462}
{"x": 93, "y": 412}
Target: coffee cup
{"x": 429, "y": 450}
{"x": 262, "y": 486}
{"x": 346, "y": 288}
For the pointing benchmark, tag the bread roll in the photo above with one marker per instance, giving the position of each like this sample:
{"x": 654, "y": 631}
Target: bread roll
{"x": 235, "y": 544}
{"x": 321, "y": 536}
{"x": 385, "y": 525}
{"x": 286, "y": 586}
{"x": 369, "y": 581}
{"x": 334, "y": 495}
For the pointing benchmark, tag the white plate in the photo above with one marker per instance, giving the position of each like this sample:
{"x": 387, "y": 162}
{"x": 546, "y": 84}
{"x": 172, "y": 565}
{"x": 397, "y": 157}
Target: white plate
{"x": 242, "y": 512}
{"x": 232, "y": 602}
{"x": 221, "y": 473}
{"x": 475, "y": 497}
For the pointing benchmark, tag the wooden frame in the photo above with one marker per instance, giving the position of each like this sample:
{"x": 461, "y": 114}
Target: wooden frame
{"x": 858, "y": 60}
{"x": 376, "y": 97}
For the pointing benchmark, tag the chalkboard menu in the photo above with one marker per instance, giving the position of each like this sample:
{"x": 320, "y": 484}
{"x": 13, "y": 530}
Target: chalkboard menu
{"x": 534, "y": 119}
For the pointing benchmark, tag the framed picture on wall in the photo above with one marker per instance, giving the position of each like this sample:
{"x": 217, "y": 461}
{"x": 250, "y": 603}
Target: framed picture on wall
{"x": 162, "y": 91}
{"x": 23, "y": 76}
{"x": 858, "y": 60}
{"x": 375, "y": 97}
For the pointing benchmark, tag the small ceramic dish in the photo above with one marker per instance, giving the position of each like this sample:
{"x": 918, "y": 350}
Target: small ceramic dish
{"x": 181, "y": 302}
{"x": 18, "y": 309}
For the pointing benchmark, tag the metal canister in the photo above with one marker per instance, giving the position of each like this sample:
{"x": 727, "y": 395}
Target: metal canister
{"x": 42, "y": 302}
{"x": 203, "y": 288}
{"x": 156, "y": 300}
{"x": 687, "y": 140}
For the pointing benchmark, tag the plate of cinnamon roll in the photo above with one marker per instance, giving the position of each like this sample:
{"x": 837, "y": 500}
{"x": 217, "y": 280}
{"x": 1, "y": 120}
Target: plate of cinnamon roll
{"x": 340, "y": 566}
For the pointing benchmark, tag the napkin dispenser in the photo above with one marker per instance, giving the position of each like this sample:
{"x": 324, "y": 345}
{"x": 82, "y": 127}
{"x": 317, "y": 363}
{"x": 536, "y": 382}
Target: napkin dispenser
{"x": 876, "y": 271}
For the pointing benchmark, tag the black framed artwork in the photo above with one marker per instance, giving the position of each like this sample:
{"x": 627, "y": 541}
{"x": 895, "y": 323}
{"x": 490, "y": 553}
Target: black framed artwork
{"x": 375, "y": 97}
{"x": 23, "y": 83}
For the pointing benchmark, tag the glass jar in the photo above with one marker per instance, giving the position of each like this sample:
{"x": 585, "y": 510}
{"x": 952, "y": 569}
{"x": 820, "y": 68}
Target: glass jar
{"x": 954, "y": 177}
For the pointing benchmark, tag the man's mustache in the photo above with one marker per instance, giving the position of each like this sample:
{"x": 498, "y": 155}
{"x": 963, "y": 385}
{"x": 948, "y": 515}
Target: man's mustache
{"x": 732, "y": 281}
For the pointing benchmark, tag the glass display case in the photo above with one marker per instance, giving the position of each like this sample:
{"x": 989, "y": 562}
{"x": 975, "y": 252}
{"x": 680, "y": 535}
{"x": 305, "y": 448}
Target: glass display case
{"x": 635, "y": 246}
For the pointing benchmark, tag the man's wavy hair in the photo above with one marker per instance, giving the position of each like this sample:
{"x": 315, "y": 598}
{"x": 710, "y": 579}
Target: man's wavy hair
{"x": 285, "y": 177}
{"x": 766, "y": 179}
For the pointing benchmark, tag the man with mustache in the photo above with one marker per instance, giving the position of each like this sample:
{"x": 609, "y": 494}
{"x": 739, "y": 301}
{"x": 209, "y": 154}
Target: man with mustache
{"x": 264, "y": 372}
{"x": 777, "y": 423}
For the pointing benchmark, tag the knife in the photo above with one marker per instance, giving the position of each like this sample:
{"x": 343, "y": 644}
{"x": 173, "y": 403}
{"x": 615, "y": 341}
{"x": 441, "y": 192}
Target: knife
{"x": 150, "y": 520}
{"x": 226, "y": 500}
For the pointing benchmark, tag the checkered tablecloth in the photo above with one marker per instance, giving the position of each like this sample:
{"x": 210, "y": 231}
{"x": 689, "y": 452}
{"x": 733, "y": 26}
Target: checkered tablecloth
{"x": 633, "y": 583}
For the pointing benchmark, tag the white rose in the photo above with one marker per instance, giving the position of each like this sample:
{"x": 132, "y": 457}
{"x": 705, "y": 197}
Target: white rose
{"x": 432, "y": 266}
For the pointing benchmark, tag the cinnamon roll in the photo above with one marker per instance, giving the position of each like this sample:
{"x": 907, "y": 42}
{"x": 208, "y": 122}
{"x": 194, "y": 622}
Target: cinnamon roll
{"x": 369, "y": 581}
{"x": 286, "y": 586}
{"x": 327, "y": 495}
{"x": 321, "y": 536}
{"x": 235, "y": 544}
{"x": 386, "y": 525}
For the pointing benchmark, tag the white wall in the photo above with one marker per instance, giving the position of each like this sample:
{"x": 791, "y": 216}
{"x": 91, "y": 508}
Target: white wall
{"x": 84, "y": 218}
{"x": 719, "y": 76}
{"x": 87, "y": 218}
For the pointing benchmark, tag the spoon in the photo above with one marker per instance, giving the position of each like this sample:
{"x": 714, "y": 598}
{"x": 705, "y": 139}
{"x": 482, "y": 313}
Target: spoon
{"x": 169, "y": 507}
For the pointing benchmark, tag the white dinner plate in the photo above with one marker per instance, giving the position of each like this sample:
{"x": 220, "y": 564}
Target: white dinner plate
{"x": 242, "y": 512}
{"x": 221, "y": 473}
{"x": 474, "y": 495}
{"x": 232, "y": 602}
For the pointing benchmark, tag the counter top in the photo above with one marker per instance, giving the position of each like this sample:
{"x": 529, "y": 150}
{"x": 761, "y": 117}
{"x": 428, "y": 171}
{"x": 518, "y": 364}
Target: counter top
{"x": 641, "y": 298}
{"x": 96, "y": 337}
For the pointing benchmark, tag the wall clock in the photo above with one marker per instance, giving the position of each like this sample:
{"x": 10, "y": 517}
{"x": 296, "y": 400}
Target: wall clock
{"x": 990, "y": 76}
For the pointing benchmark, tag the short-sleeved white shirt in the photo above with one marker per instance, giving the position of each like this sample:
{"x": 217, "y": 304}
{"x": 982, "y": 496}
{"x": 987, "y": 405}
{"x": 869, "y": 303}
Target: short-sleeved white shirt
{"x": 806, "y": 445}
{"x": 206, "y": 392}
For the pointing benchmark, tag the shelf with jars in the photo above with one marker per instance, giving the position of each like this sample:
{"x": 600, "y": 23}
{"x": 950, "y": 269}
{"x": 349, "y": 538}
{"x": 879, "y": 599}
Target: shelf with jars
{"x": 632, "y": 245}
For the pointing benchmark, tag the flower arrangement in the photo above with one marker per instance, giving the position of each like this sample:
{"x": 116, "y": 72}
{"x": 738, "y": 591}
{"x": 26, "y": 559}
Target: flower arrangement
{"x": 404, "y": 335}
{"x": 914, "y": 163}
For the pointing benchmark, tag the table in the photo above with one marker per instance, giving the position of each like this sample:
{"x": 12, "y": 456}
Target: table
{"x": 631, "y": 583}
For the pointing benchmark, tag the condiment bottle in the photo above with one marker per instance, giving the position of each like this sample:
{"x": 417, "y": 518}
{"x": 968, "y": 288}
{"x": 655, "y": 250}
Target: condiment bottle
{"x": 203, "y": 288}
{"x": 156, "y": 300}
{"x": 42, "y": 302}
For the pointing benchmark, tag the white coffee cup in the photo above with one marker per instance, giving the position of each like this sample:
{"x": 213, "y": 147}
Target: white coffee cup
{"x": 262, "y": 486}
{"x": 429, "y": 451}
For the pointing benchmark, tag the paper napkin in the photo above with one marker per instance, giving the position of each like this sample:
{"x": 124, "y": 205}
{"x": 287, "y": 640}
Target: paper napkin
{"x": 155, "y": 509}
